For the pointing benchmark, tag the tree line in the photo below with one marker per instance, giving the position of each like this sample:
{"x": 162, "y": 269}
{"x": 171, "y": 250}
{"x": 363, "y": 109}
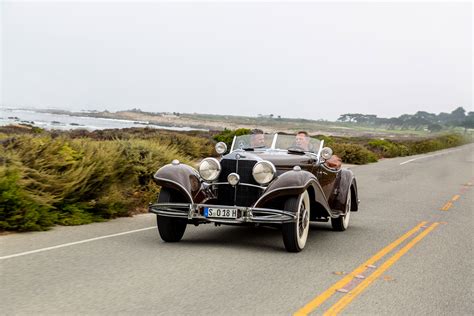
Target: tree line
{"x": 420, "y": 120}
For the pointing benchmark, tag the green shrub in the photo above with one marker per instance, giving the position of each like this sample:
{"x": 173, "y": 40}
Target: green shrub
{"x": 194, "y": 147}
{"x": 431, "y": 144}
{"x": 328, "y": 140}
{"x": 77, "y": 181}
{"x": 421, "y": 147}
{"x": 387, "y": 149}
{"x": 19, "y": 209}
{"x": 227, "y": 135}
{"x": 354, "y": 153}
{"x": 77, "y": 214}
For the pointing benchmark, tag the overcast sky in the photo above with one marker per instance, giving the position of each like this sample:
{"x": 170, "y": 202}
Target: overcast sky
{"x": 309, "y": 59}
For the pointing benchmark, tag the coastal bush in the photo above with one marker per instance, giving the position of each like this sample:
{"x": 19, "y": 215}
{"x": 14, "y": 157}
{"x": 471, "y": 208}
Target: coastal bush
{"x": 227, "y": 135}
{"x": 21, "y": 210}
{"x": 195, "y": 144}
{"x": 48, "y": 180}
{"x": 194, "y": 147}
{"x": 328, "y": 140}
{"x": 354, "y": 153}
{"x": 437, "y": 143}
{"x": 387, "y": 149}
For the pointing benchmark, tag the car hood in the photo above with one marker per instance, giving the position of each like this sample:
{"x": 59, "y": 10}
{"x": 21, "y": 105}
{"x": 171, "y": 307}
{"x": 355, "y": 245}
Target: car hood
{"x": 281, "y": 160}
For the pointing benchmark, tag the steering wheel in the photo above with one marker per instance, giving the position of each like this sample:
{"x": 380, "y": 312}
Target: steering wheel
{"x": 296, "y": 148}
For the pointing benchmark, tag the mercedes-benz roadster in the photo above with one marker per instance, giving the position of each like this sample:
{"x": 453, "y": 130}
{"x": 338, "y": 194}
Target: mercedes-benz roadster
{"x": 274, "y": 183}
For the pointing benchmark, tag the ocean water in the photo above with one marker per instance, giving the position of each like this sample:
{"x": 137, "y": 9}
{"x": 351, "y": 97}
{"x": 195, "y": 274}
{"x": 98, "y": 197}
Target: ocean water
{"x": 66, "y": 122}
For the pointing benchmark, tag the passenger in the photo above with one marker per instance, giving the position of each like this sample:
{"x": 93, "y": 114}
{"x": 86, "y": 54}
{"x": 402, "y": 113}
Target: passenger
{"x": 302, "y": 141}
{"x": 257, "y": 139}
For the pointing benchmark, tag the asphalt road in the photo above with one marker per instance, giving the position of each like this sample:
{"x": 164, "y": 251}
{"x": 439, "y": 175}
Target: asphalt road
{"x": 95, "y": 269}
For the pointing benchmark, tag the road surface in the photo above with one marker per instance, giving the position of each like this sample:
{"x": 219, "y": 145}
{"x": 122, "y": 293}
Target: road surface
{"x": 407, "y": 251}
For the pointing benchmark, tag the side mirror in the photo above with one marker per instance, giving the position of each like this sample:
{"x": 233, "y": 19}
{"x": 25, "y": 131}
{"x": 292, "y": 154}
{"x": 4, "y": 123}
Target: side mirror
{"x": 326, "y": 153}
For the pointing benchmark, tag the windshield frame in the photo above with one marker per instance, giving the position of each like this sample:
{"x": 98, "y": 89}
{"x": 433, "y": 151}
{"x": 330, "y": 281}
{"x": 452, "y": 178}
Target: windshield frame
{"x": 275, "y": 138}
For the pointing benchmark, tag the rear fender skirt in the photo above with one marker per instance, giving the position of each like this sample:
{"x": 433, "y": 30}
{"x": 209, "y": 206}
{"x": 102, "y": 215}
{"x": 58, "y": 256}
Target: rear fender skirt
{"x": 182, "y": 178}
{"x": 338, "y": 198}
{"x": 293, "y": 183}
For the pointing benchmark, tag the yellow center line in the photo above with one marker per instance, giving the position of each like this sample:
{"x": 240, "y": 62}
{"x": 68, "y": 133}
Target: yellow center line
{"x": 317, "y": 301}
{"x": 344, "y": 301}
{"x": 456, "y": 197}
{"x": 447, "y": 206}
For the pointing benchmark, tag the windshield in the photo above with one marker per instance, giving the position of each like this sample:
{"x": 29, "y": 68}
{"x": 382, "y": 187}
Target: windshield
{"x": 298, "y": 143}
{"x": 253, "y": 141}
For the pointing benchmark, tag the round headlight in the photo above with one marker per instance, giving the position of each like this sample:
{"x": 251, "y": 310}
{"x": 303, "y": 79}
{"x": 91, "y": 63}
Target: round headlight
{"x": 221, "y": 148}
{"x": 209, "y": 169}
{"x": 263, "y": 172}
{"x": 233, "y": 178}
{"x": 326, "y": 153}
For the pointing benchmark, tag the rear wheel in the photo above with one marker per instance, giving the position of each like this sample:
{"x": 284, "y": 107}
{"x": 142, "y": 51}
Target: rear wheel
{"x": 295, "y": 234}
{"x": 342, "y": 222}
{"x": 171, "y": 229}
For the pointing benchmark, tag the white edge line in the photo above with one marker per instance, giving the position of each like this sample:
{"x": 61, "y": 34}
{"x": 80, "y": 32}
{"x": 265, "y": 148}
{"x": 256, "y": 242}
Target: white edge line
{"x": 74, "y": 243}
{"x": 438, "y": 154}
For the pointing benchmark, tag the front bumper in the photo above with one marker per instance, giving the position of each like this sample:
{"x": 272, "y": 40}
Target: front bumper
{"x": 195, "y": 213}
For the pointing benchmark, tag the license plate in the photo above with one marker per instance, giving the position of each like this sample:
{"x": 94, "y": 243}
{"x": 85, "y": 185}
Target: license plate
{"x": 212, "y": 212}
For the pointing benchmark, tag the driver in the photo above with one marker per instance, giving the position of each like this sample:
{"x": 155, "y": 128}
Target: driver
{"x": 302, "y": 140}
{"x": 257, "y": 139}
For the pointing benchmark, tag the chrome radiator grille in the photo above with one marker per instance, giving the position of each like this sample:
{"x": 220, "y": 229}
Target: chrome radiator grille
{"x": 246, "y": 196}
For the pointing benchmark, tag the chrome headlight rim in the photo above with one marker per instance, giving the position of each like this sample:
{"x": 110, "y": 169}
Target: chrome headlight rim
{"x": 271, "y": 172}
{"x": 233, "y": 179}
{"x": 326, "y": 153}
{"x": 220, "y": 148}
{"x": 215, "y": 173}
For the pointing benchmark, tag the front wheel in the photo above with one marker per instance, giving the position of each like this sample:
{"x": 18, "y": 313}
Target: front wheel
{"x": 295, "y": 234}
{"x": 171, "y": 229}
{"x": 342, "y": 222}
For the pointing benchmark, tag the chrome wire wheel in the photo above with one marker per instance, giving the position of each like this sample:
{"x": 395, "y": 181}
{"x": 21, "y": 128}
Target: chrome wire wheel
{"x": 295, "y": 234}
{"x": 341, "y": 223}
{"x": 346, "y": 217}
{"x": 303, "y": 219}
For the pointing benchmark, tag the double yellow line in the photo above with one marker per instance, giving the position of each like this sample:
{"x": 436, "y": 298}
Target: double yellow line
{"x": 352, "y": 294}
{"x": 448, "y": 205}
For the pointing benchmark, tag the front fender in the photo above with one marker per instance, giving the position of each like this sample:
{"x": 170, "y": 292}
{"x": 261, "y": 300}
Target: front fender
{"x": 180, "y": 177}
{"x": 294, "y": 182}
{"x": 345, "y": 183}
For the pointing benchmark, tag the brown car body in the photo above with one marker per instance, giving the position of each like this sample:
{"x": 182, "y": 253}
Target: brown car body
{"x": 330, "y": 189}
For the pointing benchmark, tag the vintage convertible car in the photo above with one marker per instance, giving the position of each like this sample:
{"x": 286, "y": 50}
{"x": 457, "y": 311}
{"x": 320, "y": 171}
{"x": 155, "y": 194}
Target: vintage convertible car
{"x": 276, "y": 183}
